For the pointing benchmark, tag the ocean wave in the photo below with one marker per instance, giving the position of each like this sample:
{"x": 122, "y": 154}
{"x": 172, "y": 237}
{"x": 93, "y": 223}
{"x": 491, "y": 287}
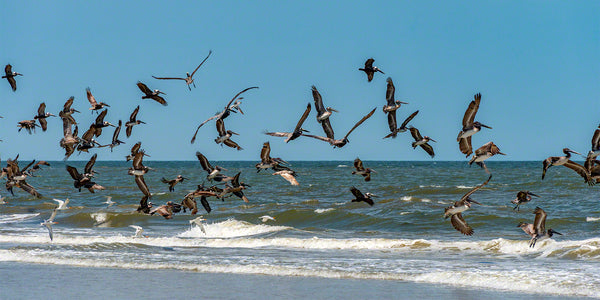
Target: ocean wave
{"x": 592, "y": 219}
{"x": 323, "y": 210}
{"x": 231, "y": 229}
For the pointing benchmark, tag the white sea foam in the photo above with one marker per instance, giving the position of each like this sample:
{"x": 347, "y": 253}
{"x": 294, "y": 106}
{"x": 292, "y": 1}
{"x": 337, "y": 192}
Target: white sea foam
{"x": 406, "y": 198}
{"x": 342, "y": 166}
{"x": 231, "y": 229}
{"x": 323, "y": 210}
{"x": 430, "y": 186}
{"x": 11, "y": 218}
{"x": 101, "y": 219}
{"x": 425, "y": 200}
{"x": 464, "y": 187}
{"x": 592, "y": 219}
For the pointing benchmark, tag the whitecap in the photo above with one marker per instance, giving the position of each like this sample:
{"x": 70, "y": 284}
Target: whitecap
{"x": 323, "y": 210}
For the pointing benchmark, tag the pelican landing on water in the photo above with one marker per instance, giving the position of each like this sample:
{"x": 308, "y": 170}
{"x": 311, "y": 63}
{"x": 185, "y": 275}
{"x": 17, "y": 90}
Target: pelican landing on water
{"x": 455, "y": 211}
{"x": 189, "y": 79}
{"x": 537, "y": 230}
{"x": 470, "y": 127}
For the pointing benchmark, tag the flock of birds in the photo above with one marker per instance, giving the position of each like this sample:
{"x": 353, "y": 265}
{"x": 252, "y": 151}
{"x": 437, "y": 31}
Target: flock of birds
{"x": 227, "y": 186}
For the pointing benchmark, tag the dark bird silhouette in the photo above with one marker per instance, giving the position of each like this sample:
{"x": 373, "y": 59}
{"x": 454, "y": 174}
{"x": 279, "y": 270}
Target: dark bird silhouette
{"x": 358, "y": 196}
{"x": 95, "y": 105}
{"x": 369, "y": 69}
{"x": 361, "y": 170}
{"x": 343, "y": 141}
{"x": 85, "y": 179}
{"x": 99, "y": 123}
{"x": 42, "y": 115}
{"x": 422, "y": 141}
{"x": 455, "y": 211}
{"x": 173, "y": 182}
{"x": 10, "y": 76}
{"x": 150, "y": 94}
{"x": 189, "y": 79}
{"x": 214, "y": 173}
{"x": 298, "y": 130}
{"x": 470, "y": 127}
{"x": 133, "y": 121}
{"x": 236, "y": 188}
{"x": 522, "y": 197}
{"x": 28, "y": 125}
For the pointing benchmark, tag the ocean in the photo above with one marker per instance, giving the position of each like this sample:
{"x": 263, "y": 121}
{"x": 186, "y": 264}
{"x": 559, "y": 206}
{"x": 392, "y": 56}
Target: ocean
{"x": 318, "y": 233}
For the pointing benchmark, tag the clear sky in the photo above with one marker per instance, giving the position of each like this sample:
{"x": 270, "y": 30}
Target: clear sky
{"x": 536, "y": 63}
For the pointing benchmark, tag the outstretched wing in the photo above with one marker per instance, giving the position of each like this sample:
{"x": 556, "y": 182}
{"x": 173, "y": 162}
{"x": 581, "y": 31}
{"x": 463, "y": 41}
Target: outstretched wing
{"x": 144, "y": 88}
{"x": 304, "y": 116}
{"x": 360, "y": 122}
{"x": 460, "y": 224}
{"x": 469, "y": 116}
{"x": 204, "y": 162}
{"x": 198, "y": 67}
{"x": 475, "y": 189}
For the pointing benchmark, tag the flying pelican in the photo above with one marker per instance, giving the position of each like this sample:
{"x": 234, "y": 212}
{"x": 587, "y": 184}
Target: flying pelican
{"x": 225, "y": 136}
{"x": 173, "y": 182}
{"x": 37, "y": 167}
{"x": 391, "y": 106}
{"x": 115, "y": 139}
{"x": 297, "y": 131}
{"x": 266, "y": 218}
{"x": 266, "y": 161}
{"x": 99, "y": 123}
{"x": 341, "y": 142}
{"x": 484, "y": 152}
{"x": 42, "y": 115}
{"x": 190, "y": 202}
{"x": 85, "y": 180}
{"x": 288, "y": 175}
{"x": 402, "y": 127}
{"x": 150, "y": 94}
{"x": 422, "y": 141}
{"x": 455, "y": 211}
{"x": 358, "y": 196}
{"x": 49, "y": 222}
{"x": 470, "y": 127}
{"x": 189, "y": 79}
{"x": 134, "y": 150}
{"x": 213, "y": 173}
{"x": 28, "y": 125}
{"x": 67, "y": 111}
{"x": 166, "y": 210}
{"x": 70, "y": 140}
{"x": 87, "y": 140}
{"x": 10, "y": 76}
{"x": 237, "y": 188}
{"x": 144, "y": 206}
{"x": 95, "y": 106}
{"x": 138, "y": 231}
{"x": 62, "y": 204}
{"x": 198, "y": 222}
{"x": 323, "y": 113}
{"x": 522, "y": 197}
{"x": 138, "y": 170}
{"x": 557, "y": 160}
{"x": 360, "y": 170}
{"x": 133, "y": 121}
{"x": 369, "y": 69}
{"x": 16, "y": 177}
{"x": 226, "y": 111}
{"x": 537, "y": 230}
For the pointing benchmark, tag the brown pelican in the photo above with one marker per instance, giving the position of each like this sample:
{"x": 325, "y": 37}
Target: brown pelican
{"x": 150, "y": 94}
{"x": 484, "y": 152}
{"x": 10, "y": 76}
{"x": 213, "y": 173}
{"x": 455, "y": 211}
{"x": 134, "y": 150}
{"x": 144, "y": 206}
{"x": 236, "y": 188}
{"x": 189, "y": 79}
{"x": 470, "y": 127}
{"x": 402, "y": 128}
{"x": 537, "y": 230}
{"x": 595, "y": 144}
{"x": 593, "y": 168}
{"x": 391, "y": 106}
{"x": 67, "y": 111}
{"x": 522, "y": 197}
{"x": 16, "y": 176}
{"x": 297, "y": 131}
{"x": 360, "y": 170}
{"x": 138, "y": 170}
{"x": 189, "y": 200}
{"x": 115, "y": 139}
{"x": 133, "y": 121}
{"x": 557, "y": 160}
{"x": 342, "y": 142}
{"x": 266, "y": 161}
{"x": 85, "y": 179}
{"x": 225, "y": 136}
{"x": 70, "y": 139}
{"x": 421, "y": 141}
{"x": 99, "y": 123}
{"x": 48, "y": 224}
{"x": 369, "y": 69}
{"x": 226, "y": 111}
{"x": 42, "y": 115}
{"x": 173, "y": 182}
{"x": 37, "y": 167}
{"x": 358, "y": 196}
{"x": 166, "y": 211}
{"x": 95, "y": 106}
{"x": 28, "y": 125}
{"x": 288, "y": 175}
{"x": 87, "y": 140}
{"x": 323, "y": 113}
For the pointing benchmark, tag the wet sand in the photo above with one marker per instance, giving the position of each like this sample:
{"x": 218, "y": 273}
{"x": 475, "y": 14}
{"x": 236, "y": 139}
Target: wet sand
{"x": 36, "y": 281}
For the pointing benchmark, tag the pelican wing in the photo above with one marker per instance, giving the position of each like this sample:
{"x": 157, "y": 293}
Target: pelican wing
{"x": 265, "y": 152}
{"x": 360, "y": 122}
{"x": 136, "y": 148}
{"x": 43, "y": 123}
{"x": 204, "y": 162}
{"x": 279, "y": 134}
{"x": 581, "y": 170}
{"x": 389, "y": 93}
{"x": 528, "y": 228}
{"x": 90, "y": 164}
{"x": 232, "y": 144}
{"x": 205, "y": 121}
{"x": 133, "y": 116}
{"x": 29, "y": 189}
{"x": 198, "y": 67}
{"x": 428, "y": 149}
{"x": 460, "y": 224}
{"x": 144, "y": 88}
{"x": 116, "y": 133}
{"x": 326, "y": 139}
{"x": 408, "y": 119}
{"x": 318, "y": 100}
{"x": 596, "y": 140}
{"x": 357, "y": 193}
{"x": 168, "y": 78}
{"x": 465, "y": 146}
{"x": 42, "y": 109}
{"x": 205, "y": 204}
{"x": 304, "y": 116}
{"x": 100, "y": 117}
{"x": 68, "y": 104}
{"x": 90, "y": 97}
{"x": 141, "y": 183}
{"x": 391, "y": 116}
{"x": 415, "y": 134}
{"x": 358, "y": 164}
{"x": 289, "y": 177}
{"x": 221, "y": 127}
{"x": 237, "y": 95}
{"x": 369, "y": 63}
{"x": 137, "y": 160}
{"x": 89, "y": 134}
{"x": 539, "y": 222}
{"x": 469, "y": 116}
{"x": 73, "y": 172}
{"x": 159, "y": 99}
{"x": 469, "y": 193}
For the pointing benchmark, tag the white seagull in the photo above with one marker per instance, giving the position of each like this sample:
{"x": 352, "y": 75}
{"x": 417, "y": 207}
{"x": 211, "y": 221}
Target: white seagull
{"x": 109, "y": 201}
{"x": 62, "y": 205}
{"x": 49, "y": 222}
{"x": 198, "y": 222}
{"x": 266, "y": 218}
{"x": 138, "y": 231}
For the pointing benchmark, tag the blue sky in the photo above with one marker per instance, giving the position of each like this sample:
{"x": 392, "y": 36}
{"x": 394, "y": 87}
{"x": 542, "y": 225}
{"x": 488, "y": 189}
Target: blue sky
{"x": 536, "y": 63}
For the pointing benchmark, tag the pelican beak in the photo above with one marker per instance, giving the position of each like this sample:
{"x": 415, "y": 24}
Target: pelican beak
{"x": 74, "y": 110}
{"x": 240, "y": 110}
{"x": 401, "y": 102}
{"x": 302, "y": 129}
{"x": 432, "y": 140}
{"x": 142, "y": 122}
{"x": 556, "y": 232}
{"x": 373, "y": 171}
{"x": 109, "y": 124}
{"x": 332, "y": 109}
{"x": 483, "y": 125}
{"x": 373, "y": 195}
{"x": 235, "y": 133}
{"x": 160, "y": 92}
{"x": 473, "y": 201}
{"x": 501, "y": 153}
{"x": 51, "y": 115}
{"x": 532, "y": 194}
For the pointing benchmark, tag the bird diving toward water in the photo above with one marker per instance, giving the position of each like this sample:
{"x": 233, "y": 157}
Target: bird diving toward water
{"x": 189, "y": 79}
{"x": 133, "y": 121}
{"x": 369, "y": 69}
{"x": 360, "y": 197}
{"x": 422, "y": 141}
{"x": 95, "y": 105}
{"x": 48, "y": 224}
{"x": 226, "y": 111}
{"x": 522, "y": 197}
{"x": 455, "y": 211}
{"x": 557, "y": 160}
{"x": 341, "y": 142}
{"x": 484, "y": 152}
{"x": 323, "y": 113}
{"x": 391, "y": 106}
{"x": 42, "y": 115}
{"x": 537, "y": 230}
{"x": 67, "y": 111}
{"x": 470, "y": 127}
{"x": 173, "y": 182}
{"x": 361, "y": 170}
{"x": 225, "y": 136}
{"x": 10, "y": 76}
{"x": 150, "y": 94}
{"x": 298, "y": 130}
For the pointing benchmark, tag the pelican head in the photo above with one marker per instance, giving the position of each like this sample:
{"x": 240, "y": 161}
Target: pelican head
{"x": 551, "y": 232}
{"x": 469, "y": 201}
{"x": 329, "y": 109}
{"x": 159, "y": 92}
{"x": 109, "y": 124}
{"x": 400, "y": 102}
{"x": 232, "y": 132}
{"x": 567, "y": 150}
{"x": 303, "y": 130}
{"x": 369, "y": 195}
{"x": 429, "y": 139}
{"x": 477, "y": 124}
